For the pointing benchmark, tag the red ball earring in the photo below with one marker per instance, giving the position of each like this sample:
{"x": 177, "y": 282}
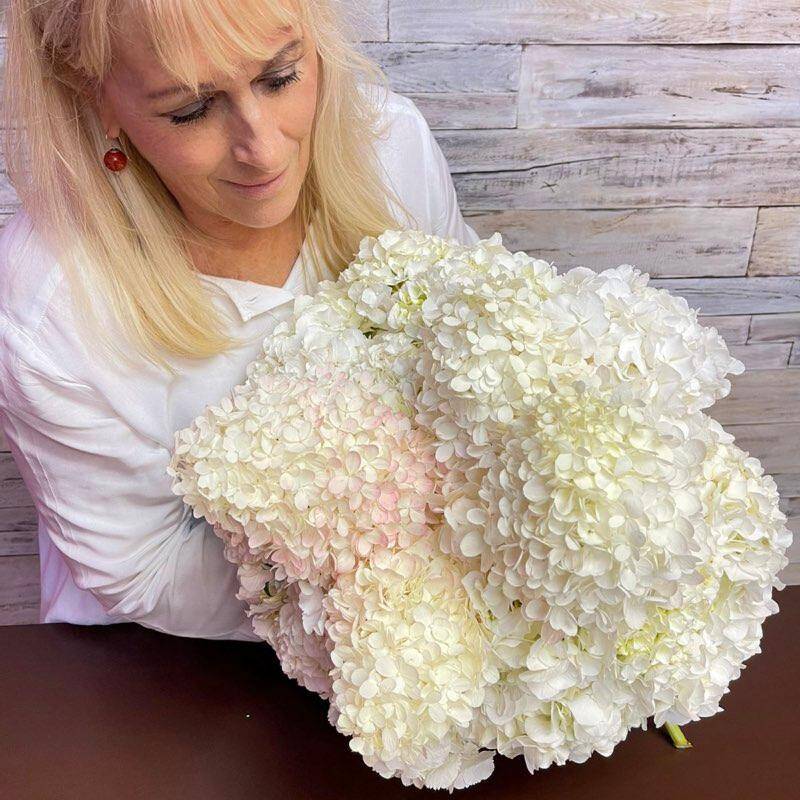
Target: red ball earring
{"x": 115, "y": 159}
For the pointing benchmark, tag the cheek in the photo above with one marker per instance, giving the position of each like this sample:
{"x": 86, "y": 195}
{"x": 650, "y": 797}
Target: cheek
{"x": 171, "y": 150}
{"x": 181, "y": 155}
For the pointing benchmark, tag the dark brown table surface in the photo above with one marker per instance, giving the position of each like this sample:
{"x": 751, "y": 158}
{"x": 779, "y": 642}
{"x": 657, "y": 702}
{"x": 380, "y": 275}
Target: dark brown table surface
{"x": 121, "y": 711}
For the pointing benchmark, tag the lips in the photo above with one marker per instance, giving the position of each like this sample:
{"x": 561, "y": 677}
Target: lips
{"x": 260, "y": 183}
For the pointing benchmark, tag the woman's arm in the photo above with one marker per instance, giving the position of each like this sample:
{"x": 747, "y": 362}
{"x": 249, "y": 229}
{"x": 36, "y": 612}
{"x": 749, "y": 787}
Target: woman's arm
{"x": 105, "y": 498}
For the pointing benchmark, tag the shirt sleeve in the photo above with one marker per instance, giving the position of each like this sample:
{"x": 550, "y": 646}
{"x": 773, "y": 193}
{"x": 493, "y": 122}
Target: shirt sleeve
{"x": 104, "y": 494}
{"x": 448, "y": 221}
{"x": 415, "y": 167}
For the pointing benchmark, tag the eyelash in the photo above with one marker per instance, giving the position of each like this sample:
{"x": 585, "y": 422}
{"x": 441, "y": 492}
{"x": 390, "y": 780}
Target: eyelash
{"x": 276, "y": 84}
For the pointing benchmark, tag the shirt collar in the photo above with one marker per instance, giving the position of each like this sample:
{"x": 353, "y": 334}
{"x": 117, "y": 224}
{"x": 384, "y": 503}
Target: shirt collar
{"x": 251, "y": 298}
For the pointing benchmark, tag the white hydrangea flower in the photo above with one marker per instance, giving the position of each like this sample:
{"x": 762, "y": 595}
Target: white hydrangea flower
{"x": 410, "y": 665}
{"x": 586, "y": 514}
{"x": 686, "y": 653}
{"x": 290, "y": 618}
{"x": 559, "y": 697}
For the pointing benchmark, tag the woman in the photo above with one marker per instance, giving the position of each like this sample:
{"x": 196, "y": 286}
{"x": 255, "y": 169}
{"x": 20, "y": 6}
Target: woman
{"x": 138, "y": 281}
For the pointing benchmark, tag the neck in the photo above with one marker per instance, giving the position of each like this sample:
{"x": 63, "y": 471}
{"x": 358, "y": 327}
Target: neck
{"x": 265, "y": 257}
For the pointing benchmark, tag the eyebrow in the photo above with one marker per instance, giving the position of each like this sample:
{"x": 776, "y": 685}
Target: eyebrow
{"x": 270, "y": 62}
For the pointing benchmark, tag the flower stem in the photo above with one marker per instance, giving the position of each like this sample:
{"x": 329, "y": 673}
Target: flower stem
{"x": 676, "y": 734}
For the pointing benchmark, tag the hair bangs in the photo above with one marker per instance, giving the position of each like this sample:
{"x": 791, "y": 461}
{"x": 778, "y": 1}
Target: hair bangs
{"x": 189, "y": 36}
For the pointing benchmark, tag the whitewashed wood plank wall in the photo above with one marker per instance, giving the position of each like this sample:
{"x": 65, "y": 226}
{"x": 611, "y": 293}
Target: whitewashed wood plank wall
{"x": 663, "y": 133}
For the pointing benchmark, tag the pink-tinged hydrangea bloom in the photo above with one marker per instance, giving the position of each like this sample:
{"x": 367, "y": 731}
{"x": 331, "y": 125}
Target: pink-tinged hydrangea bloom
{"x": 477, "y": 506}
{"x": 311, "y": 474}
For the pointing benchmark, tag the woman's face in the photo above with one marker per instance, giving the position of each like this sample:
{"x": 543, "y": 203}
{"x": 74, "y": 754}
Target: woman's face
{"x": 243, "y": 130}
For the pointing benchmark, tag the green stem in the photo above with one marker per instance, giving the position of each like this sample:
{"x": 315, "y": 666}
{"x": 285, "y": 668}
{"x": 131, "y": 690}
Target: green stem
{"x": 676, "y": 734}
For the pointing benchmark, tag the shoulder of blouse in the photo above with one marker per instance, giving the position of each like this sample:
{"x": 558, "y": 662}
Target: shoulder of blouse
{"x": 31, "y": 326}
{"x": 29, "y": 274}
{"x": 409, "y": 152}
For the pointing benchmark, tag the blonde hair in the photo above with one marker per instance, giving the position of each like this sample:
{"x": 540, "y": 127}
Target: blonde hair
{"x": 122, "y": 238}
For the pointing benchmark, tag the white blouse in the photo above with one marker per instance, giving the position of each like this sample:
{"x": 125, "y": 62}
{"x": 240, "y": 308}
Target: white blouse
{"x": 92, "y": 444}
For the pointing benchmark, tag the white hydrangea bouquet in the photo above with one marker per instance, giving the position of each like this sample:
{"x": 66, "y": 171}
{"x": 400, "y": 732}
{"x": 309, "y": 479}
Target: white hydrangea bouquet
{"x": 477, "y": 506}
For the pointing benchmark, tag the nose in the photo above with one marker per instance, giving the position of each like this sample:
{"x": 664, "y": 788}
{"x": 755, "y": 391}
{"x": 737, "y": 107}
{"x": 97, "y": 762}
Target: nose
{"x": 255, "y": 134}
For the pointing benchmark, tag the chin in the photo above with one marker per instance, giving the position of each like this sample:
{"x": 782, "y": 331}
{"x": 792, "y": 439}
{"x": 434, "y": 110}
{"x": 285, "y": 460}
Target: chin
{"x": 268, "y": 213}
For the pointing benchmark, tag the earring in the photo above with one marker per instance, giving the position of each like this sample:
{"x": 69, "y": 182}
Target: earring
{"x": 115, "y": 159}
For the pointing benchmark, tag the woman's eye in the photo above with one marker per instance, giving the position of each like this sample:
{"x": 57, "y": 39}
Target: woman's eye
{"x": 275, "y": 84}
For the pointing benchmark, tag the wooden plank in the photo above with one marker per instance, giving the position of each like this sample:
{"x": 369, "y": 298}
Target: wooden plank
{"x": 420, "y": 67}
{"x": 18, "y": 531}
{"x": 794, "y": 356}
{"x": 774, "y": 445}
{"x": 612, "y": 21}
{"x": 369, "y": 18}
{"x": 773, "y": 355}
{"x": 793, "y": 552}
{"x": 766, "y": 396}
{"x": 8, "y": 196}
{"x": 467, "y": 110}
{"x": 790, "y": 575}
{"x": 713, "y": 296}
{"x": 733, "y": 329}
{"x": 19, "y": 590}
{"x": 664, "y": 242}
{"x": 12, "y": 490}
{"x": 575, "y": 86}
{"x": 776, "y": 243}
{"x": 623, "y": 167}
{"x": 791, "y": 506}
{"x": 788, "y": 484}
{"x": 774, "y": 327}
